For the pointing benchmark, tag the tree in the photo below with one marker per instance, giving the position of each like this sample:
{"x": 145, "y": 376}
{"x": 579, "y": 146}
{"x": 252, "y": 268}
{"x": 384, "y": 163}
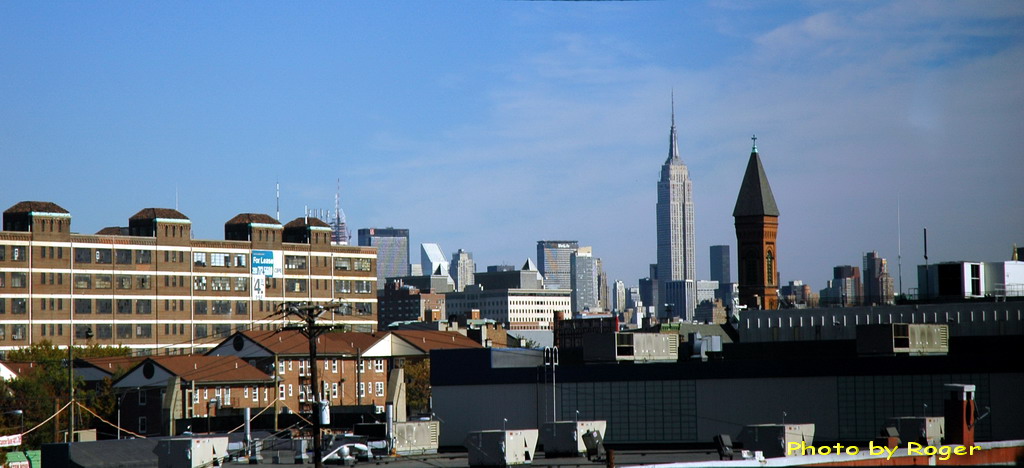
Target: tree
{"x": 43, "y": 388}
{"x": 417, "y": 386}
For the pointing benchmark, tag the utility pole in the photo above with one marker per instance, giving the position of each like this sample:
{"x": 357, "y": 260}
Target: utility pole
{"x": 308, "y": 314}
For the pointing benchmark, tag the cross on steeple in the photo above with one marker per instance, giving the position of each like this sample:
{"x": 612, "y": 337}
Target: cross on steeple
{"x": 754, "y": 149}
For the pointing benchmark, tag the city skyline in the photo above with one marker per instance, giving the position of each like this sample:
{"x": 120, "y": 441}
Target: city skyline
{"x": 545, "y": 121}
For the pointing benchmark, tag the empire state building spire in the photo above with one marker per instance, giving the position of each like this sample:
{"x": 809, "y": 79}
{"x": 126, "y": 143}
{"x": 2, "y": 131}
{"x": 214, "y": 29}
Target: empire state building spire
{"x": 677, "y": 264}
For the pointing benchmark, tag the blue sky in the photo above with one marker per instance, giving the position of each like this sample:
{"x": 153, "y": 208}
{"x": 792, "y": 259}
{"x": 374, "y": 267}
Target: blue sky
{"x": 491, "y": 125}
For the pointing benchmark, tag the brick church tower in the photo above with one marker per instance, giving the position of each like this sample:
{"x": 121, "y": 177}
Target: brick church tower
{"x": 757, "y": 223}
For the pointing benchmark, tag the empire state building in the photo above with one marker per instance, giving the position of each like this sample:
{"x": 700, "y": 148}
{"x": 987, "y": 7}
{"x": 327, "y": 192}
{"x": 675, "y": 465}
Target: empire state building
{"x": 677, "y": 263}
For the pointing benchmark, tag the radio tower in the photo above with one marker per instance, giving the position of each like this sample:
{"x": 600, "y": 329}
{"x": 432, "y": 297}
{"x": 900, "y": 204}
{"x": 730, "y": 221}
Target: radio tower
{"x": 339, "y": 234}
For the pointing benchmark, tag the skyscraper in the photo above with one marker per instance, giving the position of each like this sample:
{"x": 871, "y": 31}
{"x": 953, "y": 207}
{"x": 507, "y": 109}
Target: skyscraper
{"x": 720, "y": 264}
{"x": 392, "y": 251}
{"x": 462, "y": 269}
{"x": 757, "y": 224}
{"x": 583, "y": 267}
{"x": 619, "y": 296}
{"x": 432, "y": 258}
{"x": 676, "y": 258}
{"x": 878, "y": 284}
{"x": 553, "y": 263}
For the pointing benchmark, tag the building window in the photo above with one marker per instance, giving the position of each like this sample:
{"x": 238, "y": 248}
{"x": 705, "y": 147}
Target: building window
{"x": 200, "y": 330}
{"x": 82, "y": 331}
{"x": 143, "y": 425}
{"x": 18, "y": 253}
{"x": 290, "y": 390}
{"x": 18, "y": 280}
{"x": 362, "y": 389}
{"x": 334, "y": 390}
{"x": 123, "y": 256}
{"x": 143, "y": 282}
{"x": 342, "y": 286}
{"x": 334, "y": 366}
{"x": 199, "y": 307}
{"x": 379, "y": 387}
{"x": 124, "y": 306}
{"x": 82, "y": 281}
{"x": 294, "y": 262}
{"x": 241, "y": 284}
{"x": 18, "y": 332}
{"x": 143, "y": 330}
{"x": 104, "y": 331}
{"x": 295, "y": 285}
{"x": 83, "y": 255}
{"x": 199, "y": 258}
{"x": 124, "y": 331}
{"x": 240, "y": 260}
{"x": 199, "y": 283}
{"x": 221, "y": 307}
{"x": 144, "y": 306}
{"x": 220, "y": 283}
{"x": 102, "y": 282}
{"x": 222, "y": 330}
{"x": 378, "y": 365}
{"x": 83, "y": 306}
{"x": 363, "y": 287}
{"x": 104, "y": 256}
{"x": 142, "y": 398}
{"x": 362, "y": 366}
{"x": 124, "y": 282}
{"x": 143, "y": 256}
{"x": 241, "y": 308}
{"x": 219, "y": 259}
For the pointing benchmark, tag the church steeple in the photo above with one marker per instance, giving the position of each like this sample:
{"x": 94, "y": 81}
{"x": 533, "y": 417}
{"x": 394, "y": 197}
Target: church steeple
{"x": 757, "y": 225}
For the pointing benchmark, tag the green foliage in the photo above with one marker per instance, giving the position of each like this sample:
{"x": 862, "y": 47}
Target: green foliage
{"x": 43, "y": 389}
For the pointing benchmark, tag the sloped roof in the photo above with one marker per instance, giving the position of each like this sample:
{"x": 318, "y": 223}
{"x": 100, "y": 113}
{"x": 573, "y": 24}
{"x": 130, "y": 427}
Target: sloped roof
{"x": 755, "y": 198}
{"x": 20, "y": 368}
{"x": 202, "y": 368}
{"x": 286, "y": 342}
{"x": 35, "y": 206}
{"x": 253, "y": 218}
{"x": 427, "y": 340}
{"x": 154, "y": 213}
{"x": 112, "y": 231}
{"x": 303, "y": 221}
{"x": 114, "y": 363}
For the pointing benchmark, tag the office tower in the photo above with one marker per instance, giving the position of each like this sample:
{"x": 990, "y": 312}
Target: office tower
{"x": 878, "y": 284}
{"x": 339, "y": 228}
{"x": 619, "y": 296}
{"x": 676, "y": 257}
{"x": 603, "y": 300}
{"x": 757, "y": 224}
{"x": 433, "y": 260}
{"x": 633, "y": 297}
{"x": 720, "y": 264}
{"x": 462, "y": 269}
{"x": 583, "y": 268}
{"x": 844, "y": 289}
{"x": 392, "y": 251}
{"x": 553, "y": 262}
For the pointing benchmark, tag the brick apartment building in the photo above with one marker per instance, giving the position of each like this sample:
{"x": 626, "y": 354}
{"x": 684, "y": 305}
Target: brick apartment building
{"x": 151, "y": 287}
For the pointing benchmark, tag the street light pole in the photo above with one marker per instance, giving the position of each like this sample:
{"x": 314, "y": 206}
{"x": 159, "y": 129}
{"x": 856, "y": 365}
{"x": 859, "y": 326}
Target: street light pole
{"x": 308, "y": 314}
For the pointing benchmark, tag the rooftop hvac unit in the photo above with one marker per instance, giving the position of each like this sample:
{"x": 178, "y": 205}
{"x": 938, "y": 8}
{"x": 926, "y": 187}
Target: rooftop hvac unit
{"x": 192, "y": 452}
{"x": 915, "y": 339}
{"x": 773, "y": 439}
{"x": 501, "y": 448}
{"x": 565, "y": 438}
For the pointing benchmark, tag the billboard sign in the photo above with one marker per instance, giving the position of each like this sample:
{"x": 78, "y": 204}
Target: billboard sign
{"x": 267, "y": 263}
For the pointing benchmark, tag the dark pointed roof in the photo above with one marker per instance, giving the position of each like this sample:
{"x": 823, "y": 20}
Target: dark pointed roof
{"x": 250, "y": 218}
{"x": 35, "y": 206}
{"x": 303, "y": 221}
{"x": 755, "y": 197}
{"x": 157, "y": 213}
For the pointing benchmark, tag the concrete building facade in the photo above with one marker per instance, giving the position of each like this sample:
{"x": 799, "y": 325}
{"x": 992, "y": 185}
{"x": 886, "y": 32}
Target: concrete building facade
{"x": 462, "y": 269}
